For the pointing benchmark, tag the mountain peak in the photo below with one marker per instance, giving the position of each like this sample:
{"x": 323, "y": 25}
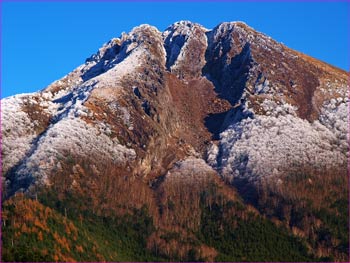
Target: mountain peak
{"x": 183, "y": 24}
{"x": 143, "y": 28}
{"x": 232, "y": 24}
{"x": 183, "y": 28}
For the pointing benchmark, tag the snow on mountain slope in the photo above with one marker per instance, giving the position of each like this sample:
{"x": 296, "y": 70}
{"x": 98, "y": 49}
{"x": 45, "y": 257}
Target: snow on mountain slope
{"x": 152, "y": 98}
{"x": 37, "y": 154}
{"x": 71, "y": 135}
{"x": 17, "y": 132}
{"x": 69, "y": 138}
{"x": 274, "y": 143}
{"x": 288, "y": 110}
{"x": 272, "y": 146}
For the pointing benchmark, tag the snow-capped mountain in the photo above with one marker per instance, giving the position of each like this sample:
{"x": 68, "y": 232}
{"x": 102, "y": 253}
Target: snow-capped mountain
{"x": 227, "y": 104}
{"x": 268, "y": 105}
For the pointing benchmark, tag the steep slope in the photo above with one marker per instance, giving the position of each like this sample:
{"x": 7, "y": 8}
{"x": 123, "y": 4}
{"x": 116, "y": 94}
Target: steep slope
{"x": 191, "y": 125}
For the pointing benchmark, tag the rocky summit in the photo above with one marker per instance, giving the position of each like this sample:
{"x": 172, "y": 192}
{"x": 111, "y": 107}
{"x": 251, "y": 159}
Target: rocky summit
{"x": 191, "y": 144}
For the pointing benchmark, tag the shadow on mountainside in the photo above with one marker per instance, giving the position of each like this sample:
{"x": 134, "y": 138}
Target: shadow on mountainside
{"x": 229, "y": 82}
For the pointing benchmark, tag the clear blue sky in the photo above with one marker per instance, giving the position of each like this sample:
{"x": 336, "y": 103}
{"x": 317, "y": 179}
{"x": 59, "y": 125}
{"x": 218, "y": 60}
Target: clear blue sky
{"x": 43, "y": 41}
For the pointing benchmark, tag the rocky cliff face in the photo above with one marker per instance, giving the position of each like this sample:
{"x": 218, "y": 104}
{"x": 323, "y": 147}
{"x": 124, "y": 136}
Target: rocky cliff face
{"x": 177, "y": 110}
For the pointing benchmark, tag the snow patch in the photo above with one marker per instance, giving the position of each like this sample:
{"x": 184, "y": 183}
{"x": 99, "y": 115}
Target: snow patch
{"x": 72, "y": 137}
{"x": 212, "y": 155}
{"x": 189, "y": 169}
{"x": 334, "y": 115}
{"x": 112, "y": 77}
{"x": 276, "y": 108}
{"x": 266, "y": 146}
